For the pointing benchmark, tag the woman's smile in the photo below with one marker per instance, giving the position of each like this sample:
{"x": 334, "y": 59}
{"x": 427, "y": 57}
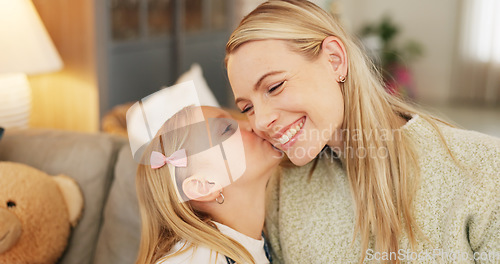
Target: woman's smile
{"x": 287, "y": 136}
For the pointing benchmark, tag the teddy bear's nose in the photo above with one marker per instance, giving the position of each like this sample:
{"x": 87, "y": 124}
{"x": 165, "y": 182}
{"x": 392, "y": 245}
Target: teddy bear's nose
{"x": 10, "y": 230}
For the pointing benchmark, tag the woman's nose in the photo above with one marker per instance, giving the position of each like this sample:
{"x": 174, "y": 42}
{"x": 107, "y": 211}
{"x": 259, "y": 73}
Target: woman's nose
{"x": 265, "y": 118}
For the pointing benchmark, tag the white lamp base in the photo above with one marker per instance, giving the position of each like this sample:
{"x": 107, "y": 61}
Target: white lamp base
{"x": 15, "y": 101}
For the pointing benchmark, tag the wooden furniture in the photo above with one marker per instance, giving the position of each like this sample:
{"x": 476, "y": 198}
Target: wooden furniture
{"x": 118, "y": 51}
{"x": 147, "y": 44}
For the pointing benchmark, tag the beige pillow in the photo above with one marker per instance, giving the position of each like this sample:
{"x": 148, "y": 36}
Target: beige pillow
{"x": 205, "y": 95}
{"x": 121, "y": 230}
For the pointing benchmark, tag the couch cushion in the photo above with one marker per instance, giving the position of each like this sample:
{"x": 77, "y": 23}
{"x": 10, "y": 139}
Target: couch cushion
{"x": 120, "y": 234}
{"x": 87, "y": 158}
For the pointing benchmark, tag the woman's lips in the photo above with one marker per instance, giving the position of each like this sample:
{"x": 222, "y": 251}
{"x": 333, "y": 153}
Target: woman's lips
{"x": 290, "y": 135}
{"x": 285, "y": 133}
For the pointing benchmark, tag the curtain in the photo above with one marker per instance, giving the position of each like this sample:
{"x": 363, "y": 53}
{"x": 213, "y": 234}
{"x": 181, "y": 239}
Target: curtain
{"x": 477, "y": 73}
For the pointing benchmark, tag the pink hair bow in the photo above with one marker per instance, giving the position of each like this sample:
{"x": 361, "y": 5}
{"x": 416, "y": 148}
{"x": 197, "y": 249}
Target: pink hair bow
{"x": 178, "y": 159}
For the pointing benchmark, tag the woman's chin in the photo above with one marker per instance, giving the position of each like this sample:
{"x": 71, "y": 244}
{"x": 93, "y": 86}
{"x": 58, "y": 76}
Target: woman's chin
{"x": 300, "y": 161}
{"x": 299, "y": 158}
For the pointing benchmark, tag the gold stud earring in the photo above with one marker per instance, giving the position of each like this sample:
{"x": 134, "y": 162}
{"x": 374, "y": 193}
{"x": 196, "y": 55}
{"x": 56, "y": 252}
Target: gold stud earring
{"x": 341, "y": 79}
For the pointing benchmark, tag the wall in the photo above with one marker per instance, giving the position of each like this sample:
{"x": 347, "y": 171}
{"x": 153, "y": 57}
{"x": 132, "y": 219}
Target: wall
{"x": 67, "y": 99}
{"x": 432, "y": 23}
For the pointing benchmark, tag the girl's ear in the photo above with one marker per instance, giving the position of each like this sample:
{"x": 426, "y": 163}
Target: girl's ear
{"x": 197, "y": 188}
{"x": 334, "y": 50}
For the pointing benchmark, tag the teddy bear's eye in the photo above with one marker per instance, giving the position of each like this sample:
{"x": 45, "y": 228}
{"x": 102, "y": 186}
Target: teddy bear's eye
{"x": 11, "y": 204}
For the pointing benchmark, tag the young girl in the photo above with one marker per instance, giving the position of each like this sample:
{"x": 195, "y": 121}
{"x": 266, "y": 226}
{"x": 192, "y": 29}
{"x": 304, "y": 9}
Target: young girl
{"x": 187, "y": 217}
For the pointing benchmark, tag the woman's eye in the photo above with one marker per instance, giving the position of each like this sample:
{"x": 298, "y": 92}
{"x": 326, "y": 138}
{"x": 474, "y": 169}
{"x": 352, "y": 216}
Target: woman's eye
{"x": 246, "y": 109}
{"x": 273, "y": 88}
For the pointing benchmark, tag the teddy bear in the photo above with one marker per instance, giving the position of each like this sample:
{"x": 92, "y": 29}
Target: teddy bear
{"x": 37, "y": 212}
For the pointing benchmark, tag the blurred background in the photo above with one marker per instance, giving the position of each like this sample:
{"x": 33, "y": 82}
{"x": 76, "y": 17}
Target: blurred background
{"x": 444, "y": 55}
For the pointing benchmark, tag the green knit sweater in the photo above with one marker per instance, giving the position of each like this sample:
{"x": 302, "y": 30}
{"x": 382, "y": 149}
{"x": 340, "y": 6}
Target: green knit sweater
{"x": 457, "y": 208}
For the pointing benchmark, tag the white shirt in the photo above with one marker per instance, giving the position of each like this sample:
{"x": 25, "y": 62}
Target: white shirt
{"x": 205, "y": 255}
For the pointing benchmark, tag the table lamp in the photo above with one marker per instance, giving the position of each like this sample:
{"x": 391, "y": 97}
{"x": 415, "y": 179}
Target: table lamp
{"x": 25, "y": 48}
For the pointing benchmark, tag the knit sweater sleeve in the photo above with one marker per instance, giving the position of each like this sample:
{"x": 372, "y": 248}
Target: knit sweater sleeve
{"x": 479, "y": 155}
{"x": 484, "y": 229}
{"x": 476, "y": 190}
{"x": 272, "y": 218}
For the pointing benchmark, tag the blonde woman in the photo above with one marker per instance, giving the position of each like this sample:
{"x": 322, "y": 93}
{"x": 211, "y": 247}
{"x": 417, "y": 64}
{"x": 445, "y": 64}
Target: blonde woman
{"x": 187, "y": 217}
{"x": 391, "y": 184}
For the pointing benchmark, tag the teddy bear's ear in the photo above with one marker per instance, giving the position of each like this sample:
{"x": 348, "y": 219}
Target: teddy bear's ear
{"x": 72, "y": 196}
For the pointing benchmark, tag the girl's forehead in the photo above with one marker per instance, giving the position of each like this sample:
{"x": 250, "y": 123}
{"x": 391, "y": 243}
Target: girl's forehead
{"x": 196, "y": 116}
{"x": 214, "y": 112}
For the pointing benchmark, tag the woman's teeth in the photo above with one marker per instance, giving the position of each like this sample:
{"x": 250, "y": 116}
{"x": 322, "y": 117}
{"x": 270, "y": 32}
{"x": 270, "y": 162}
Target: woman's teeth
{"x": 290, "y": 133}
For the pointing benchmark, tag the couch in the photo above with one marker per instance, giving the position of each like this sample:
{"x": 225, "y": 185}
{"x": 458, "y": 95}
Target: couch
{"x": 109, "y": 230}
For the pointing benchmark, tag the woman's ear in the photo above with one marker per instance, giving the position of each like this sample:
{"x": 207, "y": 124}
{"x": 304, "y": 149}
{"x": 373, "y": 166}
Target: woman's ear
{"x": 197, "y": 188}
{"x": 333, "y": 48}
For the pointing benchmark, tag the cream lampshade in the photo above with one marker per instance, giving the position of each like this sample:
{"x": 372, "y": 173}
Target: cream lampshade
{"x": 25, "y": 48}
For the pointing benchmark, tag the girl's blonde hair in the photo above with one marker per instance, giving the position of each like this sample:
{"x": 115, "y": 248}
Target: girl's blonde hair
{"x": 383, "y": 188}
{"x": 165, "y": 219}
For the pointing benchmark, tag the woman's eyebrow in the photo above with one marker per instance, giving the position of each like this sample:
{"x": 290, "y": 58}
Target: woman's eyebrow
{"x": 259, "y": 82}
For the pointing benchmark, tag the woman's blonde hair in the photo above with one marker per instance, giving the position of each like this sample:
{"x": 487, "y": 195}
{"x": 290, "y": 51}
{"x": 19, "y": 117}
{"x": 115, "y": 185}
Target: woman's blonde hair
{"x": 383, "y": 187}
{"x": 165, "y": 219}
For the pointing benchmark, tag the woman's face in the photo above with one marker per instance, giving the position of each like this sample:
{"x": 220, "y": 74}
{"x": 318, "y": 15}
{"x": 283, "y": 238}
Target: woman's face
{"x": 291, "y": 101}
